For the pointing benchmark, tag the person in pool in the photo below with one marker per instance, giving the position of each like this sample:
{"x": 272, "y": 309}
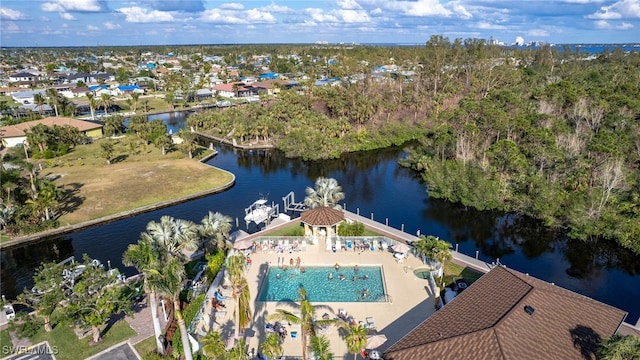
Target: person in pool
{"x": 337, "y": 267}
{"x": 366, "y": 277}
{"x": 277, "y": 276}
{"x": 355, "y": 268}
{"x": 330, "y": 276}
{"x": 341, "y": 277}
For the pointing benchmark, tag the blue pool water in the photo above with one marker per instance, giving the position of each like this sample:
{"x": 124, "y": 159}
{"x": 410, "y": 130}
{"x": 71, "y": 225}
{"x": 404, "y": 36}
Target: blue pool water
{"x": 283, "y": 285}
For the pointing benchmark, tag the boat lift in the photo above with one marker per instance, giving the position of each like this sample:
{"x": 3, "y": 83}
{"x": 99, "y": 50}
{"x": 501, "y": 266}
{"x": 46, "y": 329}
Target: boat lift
{"x": 261, "y": 212}
{"x": 290, "y": 203}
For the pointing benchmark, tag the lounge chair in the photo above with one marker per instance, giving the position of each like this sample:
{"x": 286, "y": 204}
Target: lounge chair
{"x": 338, "y": 245}
{"x": 304, "y": 245}
{"x": 342, "y": 314}
{"x": 371, "y": 324}
{"x": 349, "y": 245}
{"x": 385, "y": 246}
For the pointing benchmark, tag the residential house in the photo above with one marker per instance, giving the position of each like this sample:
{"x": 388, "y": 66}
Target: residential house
{"x": 14, "y": 135}
{"x": 235, "y": 89}
{"x": 510, "y": 315}
{"x": 126, "y": 90}
{"x": 23, "y": 76}
{"x": 75, "y": 92}
{"x": 26, "y": 97}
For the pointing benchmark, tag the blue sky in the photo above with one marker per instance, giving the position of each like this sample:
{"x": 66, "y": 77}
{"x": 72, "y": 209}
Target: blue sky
{"x": 167, "y": 22}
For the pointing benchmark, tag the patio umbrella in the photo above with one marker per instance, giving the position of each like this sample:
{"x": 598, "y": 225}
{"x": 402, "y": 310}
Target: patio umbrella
{"x": 374, "y": 341}
{"x": 243, "y": 244}
{"x": 401, "y": 247}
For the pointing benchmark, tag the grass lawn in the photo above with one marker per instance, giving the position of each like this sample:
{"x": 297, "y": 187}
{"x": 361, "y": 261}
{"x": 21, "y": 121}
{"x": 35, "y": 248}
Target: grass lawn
{"x": 146, "y": 346}
{"x": 453, "y": 270}
{"x": 5, "y": 343}
{"x": 140, "y": 175}
{"x": 293, "y": 230}
{"x": 71, "y": 348}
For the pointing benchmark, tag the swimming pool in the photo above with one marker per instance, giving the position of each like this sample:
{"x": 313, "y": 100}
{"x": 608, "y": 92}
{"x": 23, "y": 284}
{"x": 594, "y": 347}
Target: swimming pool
{"x": 283, "y": 285}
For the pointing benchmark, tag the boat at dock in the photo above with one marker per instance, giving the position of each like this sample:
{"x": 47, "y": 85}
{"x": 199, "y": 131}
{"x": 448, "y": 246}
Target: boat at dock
{"x": 260, "y": 211}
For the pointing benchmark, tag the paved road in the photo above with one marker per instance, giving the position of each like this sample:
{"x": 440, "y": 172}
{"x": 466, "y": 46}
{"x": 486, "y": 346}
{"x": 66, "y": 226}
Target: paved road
{"x": 122, "y": 351}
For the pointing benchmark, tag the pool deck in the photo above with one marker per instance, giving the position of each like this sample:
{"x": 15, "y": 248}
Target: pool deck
{"x": 410, "y": 300}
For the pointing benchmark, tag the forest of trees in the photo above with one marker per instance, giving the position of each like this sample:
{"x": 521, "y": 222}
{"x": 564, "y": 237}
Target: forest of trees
{"x": 541, "y": 132}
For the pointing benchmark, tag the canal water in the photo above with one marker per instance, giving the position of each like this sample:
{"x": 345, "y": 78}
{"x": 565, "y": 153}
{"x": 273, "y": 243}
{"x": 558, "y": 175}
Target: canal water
{"x": 375, "y": 186}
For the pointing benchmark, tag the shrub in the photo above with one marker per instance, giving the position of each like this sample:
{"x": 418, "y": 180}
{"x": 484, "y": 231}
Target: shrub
{"x": 189, "y": 314}
{"x": 354, "y": 229}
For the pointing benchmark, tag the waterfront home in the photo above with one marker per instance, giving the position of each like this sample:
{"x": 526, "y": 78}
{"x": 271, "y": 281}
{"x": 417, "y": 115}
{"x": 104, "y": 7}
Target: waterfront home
{"x": 14, "y": 135}
{"x": 510, "y": 315}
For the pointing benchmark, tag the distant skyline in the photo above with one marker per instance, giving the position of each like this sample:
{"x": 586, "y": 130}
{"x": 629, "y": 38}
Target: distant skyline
{"x": 28, "y": 23}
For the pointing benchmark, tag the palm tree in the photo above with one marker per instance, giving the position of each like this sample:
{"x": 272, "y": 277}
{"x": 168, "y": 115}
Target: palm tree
{"x": 320, "y": 346}
{"x": 355, "y": 337}
{"x": 39, "y": 100}
{"x": 215, "y": 228}
{"x": 306, "y": 319}
{"x": 238, "y": 351}
{"x": 433, "y": 248}
{"x": 188, "y": 140}
{"x": 240, "y": 286}
{"x": 174, "y": 236}
{"x": 144, "y": 257}
{"x": 620, "y": 348}
{"x": 327, "y": 192}
{"x": 169, "y": 284}
{"x": 213, "y": 346}
{"x": 54, "y": 99}
{"x": 106, "y": 100}
{"x": 93, "y": 104}
{"x": 271, "y": 346}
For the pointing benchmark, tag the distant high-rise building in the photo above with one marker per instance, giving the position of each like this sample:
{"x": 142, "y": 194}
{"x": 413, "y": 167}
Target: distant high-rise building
{"x": 519, "y": 41}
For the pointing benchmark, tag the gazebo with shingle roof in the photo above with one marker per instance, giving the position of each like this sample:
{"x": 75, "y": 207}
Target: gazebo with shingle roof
{"x": 322, "y": 221}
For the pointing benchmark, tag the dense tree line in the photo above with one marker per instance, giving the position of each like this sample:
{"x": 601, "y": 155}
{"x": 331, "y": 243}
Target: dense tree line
{"x": 547, "y": 133}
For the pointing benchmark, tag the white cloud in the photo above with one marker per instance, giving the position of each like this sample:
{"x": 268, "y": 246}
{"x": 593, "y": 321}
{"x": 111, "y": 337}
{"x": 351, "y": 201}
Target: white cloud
{"x": 9, "y": 14}
{"x": 621, "y": 9}
{"x": 583, "y": 1}
{"x": 625, "y": 26}
{"x": 232, "y": 6}
{"x": 92, "y": 28}
{"x": 602, "y": 24}
{"x": 9, "y": 27}
{"x": 337, "y": 16}
{"x": 221, "y": 17}
{"x": 460, "y": 10}
{"x": 418, "y": 8}
{"x": 376, "y": 11}
{"x": 489, "y": 26}
{"x": 72, "y": 5}
{"x": 538, "y": 32}
{"x": 111, "y": 26}
{"x": 139, "y": 15}
{"x": 352, "y": 16}
{"x": 318, "y": 15}
{"x": 255, "y": 15}
{"x": 67, "y": 16}
{"x": 349, "y": 4}
{"x": 274, "y": 8}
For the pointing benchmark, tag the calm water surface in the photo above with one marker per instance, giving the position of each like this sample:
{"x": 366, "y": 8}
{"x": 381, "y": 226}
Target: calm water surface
{"x": 373, "y": 184}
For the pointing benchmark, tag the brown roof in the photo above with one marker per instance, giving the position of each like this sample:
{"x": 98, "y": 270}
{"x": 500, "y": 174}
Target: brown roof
{"x": 488, "y": 321}
{"x": 322, "y": 215}
{"x": 18, "y": 130}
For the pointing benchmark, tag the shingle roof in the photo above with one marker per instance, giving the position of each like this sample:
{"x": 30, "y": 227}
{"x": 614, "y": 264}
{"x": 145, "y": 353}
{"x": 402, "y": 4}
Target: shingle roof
{"x": 322, "y": 215}
{"x": 488, "y": 321}
{"x": 18, "y": 130}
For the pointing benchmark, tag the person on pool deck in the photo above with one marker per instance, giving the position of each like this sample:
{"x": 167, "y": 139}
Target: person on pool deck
{"x": 298, "y": 261}
{"x": 291, "y": 262}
